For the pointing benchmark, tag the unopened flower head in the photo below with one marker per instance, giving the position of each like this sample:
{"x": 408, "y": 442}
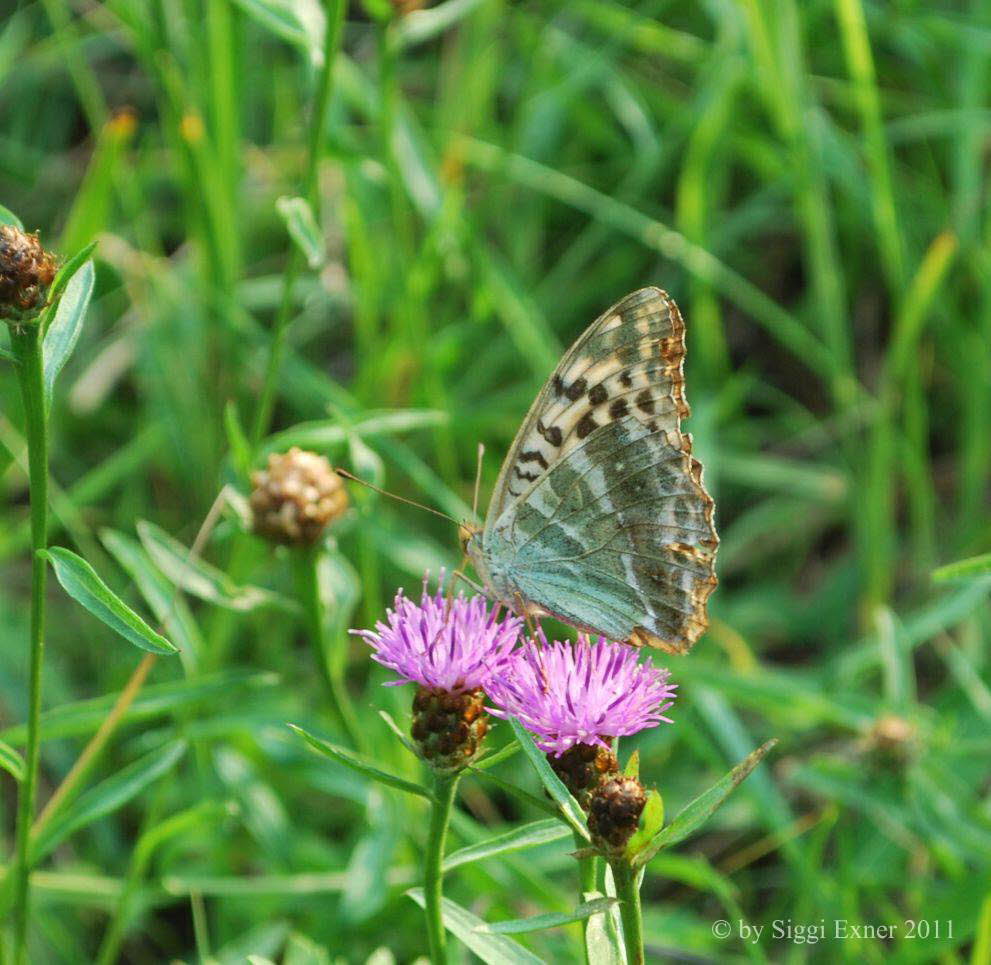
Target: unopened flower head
{"x": 26, "y": 273}
{"x": 454, "y": 646}
{"x": 582, "y": 693}
{"x": 296, "y": 496}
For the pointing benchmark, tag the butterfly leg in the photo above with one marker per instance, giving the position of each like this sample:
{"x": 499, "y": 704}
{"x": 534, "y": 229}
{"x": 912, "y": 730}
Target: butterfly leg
{"x": 459, "y": 574}
{"x": 527, "y": 615}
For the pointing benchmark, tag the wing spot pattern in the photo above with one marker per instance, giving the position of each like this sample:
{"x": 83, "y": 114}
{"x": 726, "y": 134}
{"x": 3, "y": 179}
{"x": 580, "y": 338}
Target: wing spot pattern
{"x": 618, "y": 409}
{"x": 576, "y": 390}
{"x": 533, "y": 455}
{"x": 598, "y": 394}
{"x": 586, "y": 425}
{"x": 551, "y": 433}
{"x": 645, "y": 402}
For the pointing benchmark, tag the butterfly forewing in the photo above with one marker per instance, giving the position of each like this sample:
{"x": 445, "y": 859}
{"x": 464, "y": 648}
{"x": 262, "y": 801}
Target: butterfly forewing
{"x": 627, "y": 362}
{"x": 600, "y": 517}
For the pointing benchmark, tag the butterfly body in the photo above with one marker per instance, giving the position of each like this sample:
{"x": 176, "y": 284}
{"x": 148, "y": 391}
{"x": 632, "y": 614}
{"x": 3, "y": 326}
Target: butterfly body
{"x": 599, "y": 517}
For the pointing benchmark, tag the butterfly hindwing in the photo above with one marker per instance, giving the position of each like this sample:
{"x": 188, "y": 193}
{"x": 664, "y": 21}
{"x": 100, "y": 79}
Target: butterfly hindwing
{"x": 616, "y": 538}
{"x": 628, "y": 362}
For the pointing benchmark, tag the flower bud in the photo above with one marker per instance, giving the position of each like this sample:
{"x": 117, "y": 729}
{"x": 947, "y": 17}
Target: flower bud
{"x": 296, "y": 496}
{"x": 448, "y": 727}
{"x": 26, "y": 274}
{"x": 582, "y": 768}
{"x": 614, "y": 813}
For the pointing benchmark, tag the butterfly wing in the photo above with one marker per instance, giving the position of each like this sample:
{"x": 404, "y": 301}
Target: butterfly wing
{"x": 600, "y": 516}
{"x": 628, "y": 361}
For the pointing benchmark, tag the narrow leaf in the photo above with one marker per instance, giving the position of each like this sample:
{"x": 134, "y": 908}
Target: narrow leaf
{"x": 11, "y": 761}
{"x": 698, "y": 811}
{"x": 200, "y": 578}
{"x": 602, "y": 942}
{"x": 529, "y": 836}
{"x": 63, "y": 332}
{"x": 69, "y": 269}
{"x": 520, "y": 926}
{"x": 8, "y": 217}
{"x": 651, "y": 822}
{"x": 972, "y": 567}
{"x": 348, "y": 759}
{"x": 303, "y": 229}
{"x": 569, "y": 807}
{"x": 107, "y": 796}
{"x": 80, "y": 581}
{"x": 299, "y": 22}
{"x": 491, "y": 949}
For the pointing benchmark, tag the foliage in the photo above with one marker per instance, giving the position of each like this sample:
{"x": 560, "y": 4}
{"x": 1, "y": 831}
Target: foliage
{"x": 808, "y": 180}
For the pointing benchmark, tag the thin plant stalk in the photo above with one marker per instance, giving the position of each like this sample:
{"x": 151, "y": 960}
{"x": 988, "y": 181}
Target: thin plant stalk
{"x": 318, "y": 131}
{"x": 306, "y": 561}
{"x": 27, "y": 346}
{"x": 587, "y": 882}
{"x": 628, "y": 893}
{"x": 445, "y": 788}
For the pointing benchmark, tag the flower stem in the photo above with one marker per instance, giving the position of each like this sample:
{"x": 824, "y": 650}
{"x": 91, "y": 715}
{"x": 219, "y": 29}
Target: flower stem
{"x": 445, "y": 787}
{"x": 628, "y": 893}
{"x": 587, "y": 882}
{"x": 307, "y": 565}
{"x": 318, "y": 129}
{"x": 26, "y": 343}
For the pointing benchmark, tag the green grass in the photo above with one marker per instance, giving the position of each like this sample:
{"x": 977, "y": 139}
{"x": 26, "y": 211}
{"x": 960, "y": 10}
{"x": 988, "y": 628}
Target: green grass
{"x": 808, "y": 180}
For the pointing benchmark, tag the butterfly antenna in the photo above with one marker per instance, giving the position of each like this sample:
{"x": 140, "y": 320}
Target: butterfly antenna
{"x": 478, "y": 480}
{"x": 402, "y": 499}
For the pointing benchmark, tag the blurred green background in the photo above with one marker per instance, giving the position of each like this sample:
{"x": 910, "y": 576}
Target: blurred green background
{"x": 807, "y": 179}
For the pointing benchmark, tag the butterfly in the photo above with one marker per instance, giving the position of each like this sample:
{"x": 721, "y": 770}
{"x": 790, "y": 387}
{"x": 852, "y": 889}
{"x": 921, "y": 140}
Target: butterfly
{"x": 599, "y": 517}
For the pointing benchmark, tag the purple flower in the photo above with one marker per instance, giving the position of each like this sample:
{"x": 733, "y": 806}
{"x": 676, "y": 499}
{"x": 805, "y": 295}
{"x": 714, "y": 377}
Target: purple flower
{"x": 453, "y": 647}
{"x": 581, "y": 693}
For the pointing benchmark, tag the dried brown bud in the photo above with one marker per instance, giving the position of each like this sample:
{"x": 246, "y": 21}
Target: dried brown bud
{"x": 26, "y": 274}
{"x": 614, "y": 813}
{"x": 583, "y": 768}
{"x": 296, "y": 496}
{"x": 448, "y": 728}
{"x": 403, "y": 7}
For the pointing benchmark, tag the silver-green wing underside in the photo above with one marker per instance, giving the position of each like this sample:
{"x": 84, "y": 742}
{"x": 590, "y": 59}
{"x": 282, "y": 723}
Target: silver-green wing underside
{"x": 600, "y": 517}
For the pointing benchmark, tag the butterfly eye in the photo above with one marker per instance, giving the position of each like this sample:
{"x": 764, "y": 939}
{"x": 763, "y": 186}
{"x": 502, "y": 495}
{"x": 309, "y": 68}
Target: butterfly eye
{"x": 465, "y": 534}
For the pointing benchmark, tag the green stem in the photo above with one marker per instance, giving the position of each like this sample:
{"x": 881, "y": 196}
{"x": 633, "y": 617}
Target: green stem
{"x": 318, "y": 130}
{"x": 628, "y": 893}
{"x": 445, "y": 787}
{"x": 587, "y": 882}
{"x": 306, "y": 561}
{"x": 26, "y": 343}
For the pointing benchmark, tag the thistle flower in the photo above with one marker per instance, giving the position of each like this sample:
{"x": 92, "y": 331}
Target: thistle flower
{"x": 26, "y": 273}
{"x": 296, "y": 496}
{"x": 583, "y": 693}
{"x": 451, "y": 649}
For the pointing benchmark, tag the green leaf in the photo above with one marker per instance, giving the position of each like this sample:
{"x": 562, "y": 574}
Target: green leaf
{"x": 8, "y": 217}
{"x": 237, "y": 440}
{"x": 303, "y": 229}
{"x": 80, "y": 581}
{"x": 491, "y": 949}
{"x": 698, "y": 811}
{"x": 651, "y": 821}
{"x": 520, "y": 926}
{"x": 155, "y": 700}
{"x": 972, "y": 567}
{"x": 351, "y": 760}
{"x": 325, "y": 434}
{"x": 394, "y": 727}
{"x": 299, "y": 22}
{"x": 200, "y": 578}
{"x": 107, "y": 796}
{"x": 602, "y": 943}
{"x": 632, "y": 768}
{"x": 168, "y": 606}
{"x": 69, "y": 269}
{"x": 11, "y": 761}
{"x": 529, "y": 836}
{"x": 497, "y": 757}
{"x": 570, "y": 809}
{"x": 63, "y": 332}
